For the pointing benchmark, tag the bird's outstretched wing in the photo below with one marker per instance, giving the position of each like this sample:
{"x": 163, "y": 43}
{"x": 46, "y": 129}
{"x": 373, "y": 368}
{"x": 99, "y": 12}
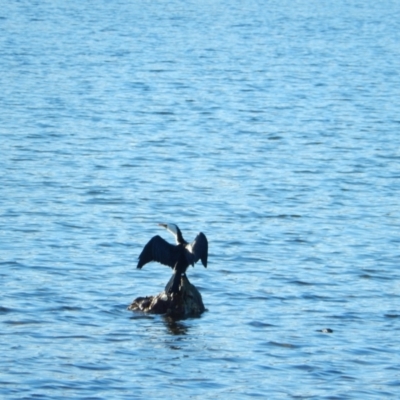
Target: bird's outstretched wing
{"x": 198, "y": 250}
{"x": 158, "y": 249}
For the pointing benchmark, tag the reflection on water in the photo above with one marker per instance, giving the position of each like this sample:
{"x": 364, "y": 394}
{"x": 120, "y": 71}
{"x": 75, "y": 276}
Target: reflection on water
{"x": 177, "y": 328}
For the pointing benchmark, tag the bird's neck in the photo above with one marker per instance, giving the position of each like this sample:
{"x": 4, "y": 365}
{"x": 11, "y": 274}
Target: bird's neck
{"x": 179, "y": 237}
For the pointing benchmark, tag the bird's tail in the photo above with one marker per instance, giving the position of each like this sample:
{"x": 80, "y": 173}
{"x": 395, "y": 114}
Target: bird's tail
{"x": 173, "y": 284}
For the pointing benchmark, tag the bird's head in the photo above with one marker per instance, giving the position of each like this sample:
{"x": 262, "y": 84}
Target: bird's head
{"x": 170, "y": 227}
{"x": 173, "y": 229}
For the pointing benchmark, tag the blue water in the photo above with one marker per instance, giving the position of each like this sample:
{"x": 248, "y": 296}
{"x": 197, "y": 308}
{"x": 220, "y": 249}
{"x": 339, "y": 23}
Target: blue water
{"x": 271, "y": 126}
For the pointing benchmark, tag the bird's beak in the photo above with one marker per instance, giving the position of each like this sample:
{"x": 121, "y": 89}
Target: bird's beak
{"x": 163, "y": 225}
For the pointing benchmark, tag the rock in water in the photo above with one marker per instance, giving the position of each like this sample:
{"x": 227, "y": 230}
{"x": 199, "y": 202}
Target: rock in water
{"x": 184, "y": 304}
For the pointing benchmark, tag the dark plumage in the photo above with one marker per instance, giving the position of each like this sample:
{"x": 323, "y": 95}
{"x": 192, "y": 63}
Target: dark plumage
{"x": 178, "y": 256}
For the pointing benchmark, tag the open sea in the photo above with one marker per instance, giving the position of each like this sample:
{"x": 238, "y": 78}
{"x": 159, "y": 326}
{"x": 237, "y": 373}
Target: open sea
{"x": 273, "y": 126}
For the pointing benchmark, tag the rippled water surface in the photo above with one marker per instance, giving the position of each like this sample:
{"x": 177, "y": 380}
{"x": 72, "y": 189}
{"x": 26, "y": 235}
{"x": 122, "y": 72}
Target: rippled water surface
{"x": 271, "y": 126}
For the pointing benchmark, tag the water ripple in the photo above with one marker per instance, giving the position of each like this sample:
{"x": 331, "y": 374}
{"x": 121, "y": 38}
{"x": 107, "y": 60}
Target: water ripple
{"x": 272, "y": 129}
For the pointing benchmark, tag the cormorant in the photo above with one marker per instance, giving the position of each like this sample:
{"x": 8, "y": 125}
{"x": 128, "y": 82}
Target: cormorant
{"x": 178, "y": 257}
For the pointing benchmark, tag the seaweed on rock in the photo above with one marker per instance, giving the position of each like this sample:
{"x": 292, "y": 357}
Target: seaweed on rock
{"x": 184, "y": 304}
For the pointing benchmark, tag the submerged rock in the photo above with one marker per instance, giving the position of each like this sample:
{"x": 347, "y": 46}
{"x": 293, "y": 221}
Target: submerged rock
{"x": 184, "y": 304}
